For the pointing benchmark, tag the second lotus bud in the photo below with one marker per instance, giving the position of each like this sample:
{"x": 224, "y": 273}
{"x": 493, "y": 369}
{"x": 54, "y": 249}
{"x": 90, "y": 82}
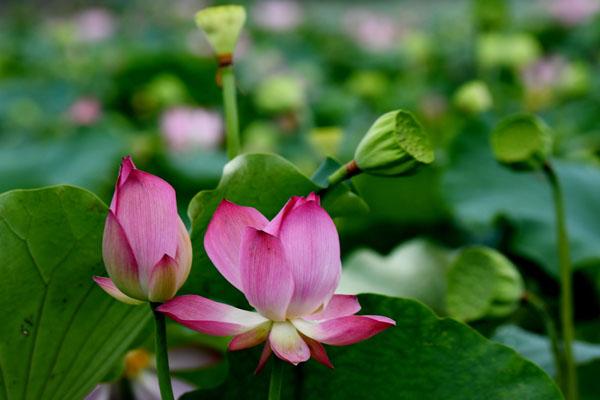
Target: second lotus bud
{"x": 395, "y": 145}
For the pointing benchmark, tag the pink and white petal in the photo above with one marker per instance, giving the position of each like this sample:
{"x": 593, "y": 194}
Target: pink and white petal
{"x": 183, "y": 255}
{"x": 162, "y": 284}
{"x": 340, "y": 305}
{"x": 345, "y": 330}
{"x": 210, "y": 317}
{"x": 312, "y": 246}
{"x": 251, "y": 338}
{"x": 287, "y": 344}
{"x": 317, "y": 351}
{"x": 264, "y": 357}
{"x": 147, "y": 211}
{"x": 109, "y": 287}
{"x": 223, "y": 237}
{"x": 126, "y": 167}
{"x": 119, "y": 259}
{"x": 266, "y": 277}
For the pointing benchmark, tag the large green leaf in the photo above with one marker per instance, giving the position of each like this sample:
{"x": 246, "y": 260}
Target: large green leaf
{"x": 60, "y": 333}
{"x": 263, "y": 181}
{"x": 423, "y": 357}
{"x": 480, "y": 190}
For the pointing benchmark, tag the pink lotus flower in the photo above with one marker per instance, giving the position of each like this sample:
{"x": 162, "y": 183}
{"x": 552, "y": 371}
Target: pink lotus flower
{"x": 146, "y": 247}
{"x": 288, "y": 269}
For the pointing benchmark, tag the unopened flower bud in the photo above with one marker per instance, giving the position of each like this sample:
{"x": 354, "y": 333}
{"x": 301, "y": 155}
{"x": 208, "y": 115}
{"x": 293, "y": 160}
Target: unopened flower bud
{"x": 522, "y": 142}
{"x": 222, "y": 26}
{"x": 396, "y": 144}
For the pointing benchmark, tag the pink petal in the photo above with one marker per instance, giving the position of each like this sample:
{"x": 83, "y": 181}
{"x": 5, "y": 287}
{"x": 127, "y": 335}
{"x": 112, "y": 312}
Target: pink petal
{"x": 317, "y": 351}
{"x": 147, "y": 211}
{"x": 266, "y": 278}
{"x": 162, "y": 285}
{"x": 183, "y": 255}
{"x": 345, "y": 330}
{"x": 119, "y": 259}
{"x": 293, "y": 203}
{"x": 264, "y": 357}
{"x": 109, "y": 287}
{"x": 312, "y": 248}
{"x": 340, "y": 305}
{"x": 210, "y": 317}
{"x": 223, "y": 237}
{"x": 287, "y": 344}
{"x": 251, "y": 338}
{"x": 126, "y": 167}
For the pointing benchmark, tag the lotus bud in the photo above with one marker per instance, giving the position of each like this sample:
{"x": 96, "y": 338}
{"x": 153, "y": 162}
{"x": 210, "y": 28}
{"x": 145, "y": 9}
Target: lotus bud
{"x": 222, "y": 26}
{"x": 522, "y": 142}
{"x": 396, "y": 144}
{"x": 146, "y": 247}
{"x": 482, "y": 283}
{"x": 473, "y": 97}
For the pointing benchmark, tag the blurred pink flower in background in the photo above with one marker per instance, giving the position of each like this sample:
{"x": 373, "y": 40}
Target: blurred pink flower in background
{"x": 371, "y": 30}
{"x": 85, "y": 111}
{"x": 187, "y": 128}
{"x": 573, "y": 12}
{"x": 277, "y": 15}
{"x": 94, "y": 25}
{"x": 544, "y": 73}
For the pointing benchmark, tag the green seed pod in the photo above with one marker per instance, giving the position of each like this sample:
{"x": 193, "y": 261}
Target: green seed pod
{"x": 522, "y": 142}
{"x": 482, "y": 283}
{"x": 280, "y": 94}
{"x": 395, "y": 145}
{"x": 222, "y": 26}
{"x": 473, "y": 97}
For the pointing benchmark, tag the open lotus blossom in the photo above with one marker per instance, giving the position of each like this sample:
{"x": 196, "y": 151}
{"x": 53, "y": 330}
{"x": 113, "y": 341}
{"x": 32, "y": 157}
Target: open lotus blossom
{"x": 146, "y": 247}
{"x": 288, "y": 269}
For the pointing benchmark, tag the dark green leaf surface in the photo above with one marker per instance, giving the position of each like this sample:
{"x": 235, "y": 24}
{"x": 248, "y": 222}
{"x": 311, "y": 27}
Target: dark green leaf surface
{"x": 423, "y": 357}
{"x": 480, "y": 190}
{"x": 61, "y": 334}
{"x": 263, "y": 181}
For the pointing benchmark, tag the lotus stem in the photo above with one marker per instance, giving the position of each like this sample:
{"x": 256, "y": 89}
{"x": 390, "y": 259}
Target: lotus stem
{"x": 566, "y": 298}
{"x": 162, "y": 356}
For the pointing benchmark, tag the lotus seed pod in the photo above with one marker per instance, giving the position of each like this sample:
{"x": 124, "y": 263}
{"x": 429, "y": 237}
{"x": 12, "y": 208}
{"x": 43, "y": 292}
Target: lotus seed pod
{"x": 473, "y": 97}
{"x": 222, "y": 26}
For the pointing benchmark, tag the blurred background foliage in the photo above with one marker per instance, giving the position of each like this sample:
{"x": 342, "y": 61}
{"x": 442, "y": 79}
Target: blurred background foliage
{"x": 84, "y": 83}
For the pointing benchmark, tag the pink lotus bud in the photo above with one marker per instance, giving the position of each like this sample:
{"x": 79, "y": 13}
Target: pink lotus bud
{"x": 288, "y": 269}
{"x": 146, "y": 247}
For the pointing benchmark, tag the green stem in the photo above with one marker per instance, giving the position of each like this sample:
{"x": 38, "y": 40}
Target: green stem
{"x": 344, "y": 172}
{"x": 162, "y": 357}
{"x": 276, "y": 379}
{"x": 231, "y": 111}
{"x": 566, "y": 298}
{"x": 540, "y": 306}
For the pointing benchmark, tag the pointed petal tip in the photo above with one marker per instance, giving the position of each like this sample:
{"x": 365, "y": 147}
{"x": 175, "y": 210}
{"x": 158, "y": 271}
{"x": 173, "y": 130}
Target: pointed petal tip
{"x": 109, "y": 287}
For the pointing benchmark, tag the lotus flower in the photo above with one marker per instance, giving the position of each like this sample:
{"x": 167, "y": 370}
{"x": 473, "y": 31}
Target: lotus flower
{"x": 146, "y": 247}
{"x": 288, "y": 269}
